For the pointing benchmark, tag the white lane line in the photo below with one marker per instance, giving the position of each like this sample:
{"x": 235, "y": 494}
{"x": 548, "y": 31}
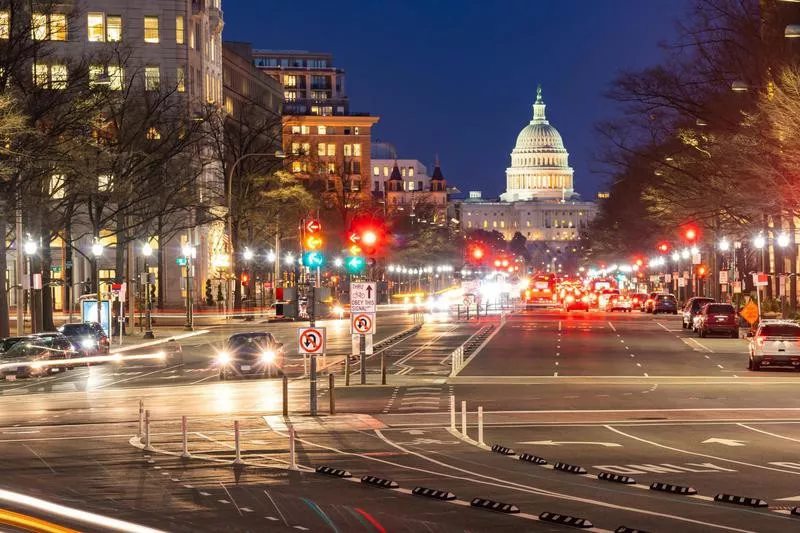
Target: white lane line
{"x": 665, "y": 327}
{"x": 213, "y": 375}
{"x": 646, "y": 375}
{"x": 160, "y": 341}
{"x": 720, "y": 366}
{"x": 136, "y": 377}
{"x": 702, "y": 346}
{"x": 768, "y": 433}
{"x": 40, "y": 458}
{"x": 559, "y": 325}
{"x": 612, "y": 327}
{"x": 639, "y": 365}
{"x": 679, "y": 450}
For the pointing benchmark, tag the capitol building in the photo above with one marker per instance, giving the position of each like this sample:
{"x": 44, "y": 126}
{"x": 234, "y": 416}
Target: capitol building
{"x": 540, "y": 200}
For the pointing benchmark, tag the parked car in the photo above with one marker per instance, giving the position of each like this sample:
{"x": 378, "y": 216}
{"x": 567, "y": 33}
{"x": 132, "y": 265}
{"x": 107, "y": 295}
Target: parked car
{"x": 638, "y": 300}
{"x": 251, "y": 354}
{"x": 649, "y": 304}
{"x": 31, "y": 356}
{"x": 691, "y": 309}
{"x": 87, "y": 338}
{"x": 776, "y": 344}
{"x": 665, "y": 303}
{"x": 718, "y": 318}
{"x": 8, "y": 342}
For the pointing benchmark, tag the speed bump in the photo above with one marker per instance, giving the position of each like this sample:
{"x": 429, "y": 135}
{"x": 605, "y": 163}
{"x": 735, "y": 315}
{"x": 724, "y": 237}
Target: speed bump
{"x": 492, "y": 505}
{"x": 626, "y": 529}
{"x": 572, "y": 469}
{"x": 502, "y": 450}
{"x": 675, "y": 489}
{"x": 616, "y": 478}
{"x": 330, "y": 471}
{"x": 740, "y": 500}
{"x": 565, "y": 520}
{"x": 379, "y": 482}
{"x": 532, "y": 458}
{"x": 433, "y": 493}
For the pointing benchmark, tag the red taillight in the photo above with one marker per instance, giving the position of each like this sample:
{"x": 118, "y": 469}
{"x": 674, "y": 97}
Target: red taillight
{"x": 636, "y": 300}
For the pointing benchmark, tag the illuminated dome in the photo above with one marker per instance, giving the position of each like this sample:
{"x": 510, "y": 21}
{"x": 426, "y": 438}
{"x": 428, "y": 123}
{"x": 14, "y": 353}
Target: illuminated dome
{"x": 539, "y": 162}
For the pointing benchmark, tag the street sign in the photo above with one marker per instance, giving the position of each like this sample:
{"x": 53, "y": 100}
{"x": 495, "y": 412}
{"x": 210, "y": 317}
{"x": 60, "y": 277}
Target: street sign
{"x": 681, "y": 282}
{"x": 696, "y": 259}
{"x": 750, "y": 312}
{"x": 760, "y": 279}
{"x": 667, "y": 278}
{"x": 363, "y": 298}
{"x": 311, "y": 340}
{"x": 723, "y": 277}
{"x": 37, "y": 281}
{"x": 737, "y": 287}
{"x": 180, "y": 261}
{"x": 362, "y": 323}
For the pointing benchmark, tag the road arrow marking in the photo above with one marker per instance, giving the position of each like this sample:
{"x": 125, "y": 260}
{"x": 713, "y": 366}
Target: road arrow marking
{"x": 726, "y": 442}
{"x": 413, "y": 431}
{"x": 559, "y": 443}
{"x": 790, "y": 499}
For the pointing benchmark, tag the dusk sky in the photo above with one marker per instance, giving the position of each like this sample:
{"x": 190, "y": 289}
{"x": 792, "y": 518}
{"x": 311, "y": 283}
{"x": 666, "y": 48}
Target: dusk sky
{"x": 458, "y": 77}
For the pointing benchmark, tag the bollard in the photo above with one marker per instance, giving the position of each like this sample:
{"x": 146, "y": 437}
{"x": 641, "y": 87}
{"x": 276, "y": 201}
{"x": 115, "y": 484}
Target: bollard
{"x": 452, "y": 412}
{"x": 346, "y": 370}
{"x": 362, "y": 353}
{"x": 238, "y": 459}
{"x": 383, "y": 370}
{"x": 464, "y": 417}
{"x": 285, "y": 396}
{"x": 147, "y": 446}
{"x": 292, "y": 460}
{"x": 185, "y": 453}
{"x": 332, "y": 392}
{"x": 480, "y": 426}
{"x": 141, "y": 420}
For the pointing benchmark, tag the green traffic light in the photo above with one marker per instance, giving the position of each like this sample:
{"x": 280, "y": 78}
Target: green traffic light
{"x": 355, "y": 264}
{"x": 313, "y": 259}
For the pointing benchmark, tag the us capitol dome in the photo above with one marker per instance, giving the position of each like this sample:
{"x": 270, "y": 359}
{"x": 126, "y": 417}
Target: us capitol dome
{"x": 539, "y": 162}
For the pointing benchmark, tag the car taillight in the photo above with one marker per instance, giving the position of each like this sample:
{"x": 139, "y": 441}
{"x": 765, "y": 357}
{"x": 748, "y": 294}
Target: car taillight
{"x": 760, "y": 340}
{"x": 636, "y": 300}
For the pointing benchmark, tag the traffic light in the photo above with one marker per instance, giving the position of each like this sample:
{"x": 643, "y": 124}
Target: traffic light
{"x": 663, "y": 247}
{"x": 475, "y": 253}
{"x": 313, "y": 259}
{"x": 690, "y": 233}
{"x": 245, "y": 278}
{"x": 312, "y": 244}
{"x": 368, "y": 235}
{"x": 701, "y": 271}
{"x": 355, "y": 264}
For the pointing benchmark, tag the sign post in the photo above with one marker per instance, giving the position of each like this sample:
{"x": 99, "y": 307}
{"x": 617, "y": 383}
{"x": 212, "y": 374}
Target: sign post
{"x": 311, "y": 342}
{"x": 363, "y": 304}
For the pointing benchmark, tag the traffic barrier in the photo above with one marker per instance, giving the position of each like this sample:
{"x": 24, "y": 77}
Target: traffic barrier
{"x": 740, "y": 500}
{"x": 502, "y": 450}
{"x": 626, "y": 529}
{"x": 433, "y": 493}
{"x": 616, "y": 478}
{"x": 565, "y": 520}
{"x": 379, "y": 482}
{"x": 532, "y": 458}
{"x": 492, "y": 505}
{"x": 292, "y": 458}
{"x": 464, "y": 417}
{"x": 147, "y": 446}
{"x": 675, "y": 489}
{"x": 572, "y": 469}
{"x": 237, "y": 461}
{"x": 480, "y": 426}
{"x": 184, "y": 438}
{"x": 330, "y": 471}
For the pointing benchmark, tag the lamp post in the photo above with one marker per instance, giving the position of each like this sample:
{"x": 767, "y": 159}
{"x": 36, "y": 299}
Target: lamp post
{"x": 189, "y": 253}
{"x": 782, "y": 241}
{"x": 97, "y": 252}
{"x": 30, "y": 248}
{"x": 759, "y": 242}
{"x": 147, "y": 251}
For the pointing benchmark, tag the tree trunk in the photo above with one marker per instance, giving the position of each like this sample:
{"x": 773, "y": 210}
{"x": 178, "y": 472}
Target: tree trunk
{"x": 4, "y": 291}
{"x": 68, "y": 277}
{"x": 160, "y": 260}
{"x": 122, "y": 241}
{"x": 46, "y": 314}
{"x": 236, "y": 266}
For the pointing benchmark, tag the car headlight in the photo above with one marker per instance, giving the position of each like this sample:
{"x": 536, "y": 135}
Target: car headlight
{"x": 338, "y": 310}
{"x": 36, "y": 366}
{"x": 268, "y": 356}
{"x": 223, "y": 358}
{"x": 88, "y": 344}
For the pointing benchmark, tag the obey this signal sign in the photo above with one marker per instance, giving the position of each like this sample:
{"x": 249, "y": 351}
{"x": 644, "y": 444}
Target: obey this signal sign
{"x": 311, "y": 340}
{"x": 362, "y": 323}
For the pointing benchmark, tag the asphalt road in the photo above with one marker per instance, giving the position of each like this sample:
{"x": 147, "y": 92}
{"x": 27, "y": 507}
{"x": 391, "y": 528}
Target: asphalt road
{"x": 627, "y": 394}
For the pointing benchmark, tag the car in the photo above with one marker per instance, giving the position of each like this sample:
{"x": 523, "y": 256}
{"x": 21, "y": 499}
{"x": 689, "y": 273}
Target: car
{"x": 576, "y": 302}
{"x": 638, "y": 300}
{"x": 256, "y": 353}
{"x": 30, "y": 357}
{"x": 87, "y": 338}
{"x": 8, "y": 342}
{"x": 718, "y": 318}
{"x": 665, "y": 303}
{"x": 775, "y": 344}
{"x": 692, "y": 308}
{"x": 618, "y": 302}
{"x": 649, "y": 303}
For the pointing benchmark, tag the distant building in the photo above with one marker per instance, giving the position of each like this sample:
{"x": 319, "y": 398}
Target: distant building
{"x": 429, "y": 201}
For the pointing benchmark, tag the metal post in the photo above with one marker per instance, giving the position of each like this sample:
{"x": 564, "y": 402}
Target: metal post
{"x": 20, "y": 273}
{"x": 292, "y": 460}
{"x": 332, "y": 393}
{"x": 480, "y": 425}
{"x": 464, "y": 417}
{"x": 313, "y": 388}
{"x": 362, "y": 351}
{"x": 452, "y": 412}
{"x": 383, "y": 370}
{"x": 285, "y": 396}
{"x": 141, "y": 420}
{"x": 189, "y": 317}
{"x": 347, "y": 370}
{"x": 148, "y": 332}
{"x": 238, "y": 459}
{"x": 147, "y": 446}
{"x": 185, "y": 453}
{"x": 305, "y": 364}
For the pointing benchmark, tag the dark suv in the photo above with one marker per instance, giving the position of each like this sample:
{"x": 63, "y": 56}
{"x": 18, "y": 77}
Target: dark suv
{"x": 87, "y": 338}
{"x": 692, "y": 309}
{"x": 718, "y": 318}
{"x": 665, "y": 303}
{"x": 251, "y": 354}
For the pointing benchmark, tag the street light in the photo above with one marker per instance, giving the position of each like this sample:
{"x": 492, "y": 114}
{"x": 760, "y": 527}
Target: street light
{"x": 724, "y": 245}
{"x": 759, "y": 242}
{"x": 339, "y": 262}
{"x": 189, "y": 252}
{"x": 676, "y": 256}
{"x": 30, "y": 248}
{"x": 97, "y": 252}
{"x": 783, "y": 240}
{"x": 685, "y": 253}
{"x": 147, "y": 251}
{"x": 289, "y": 259}
{"x": 248, "y": 254}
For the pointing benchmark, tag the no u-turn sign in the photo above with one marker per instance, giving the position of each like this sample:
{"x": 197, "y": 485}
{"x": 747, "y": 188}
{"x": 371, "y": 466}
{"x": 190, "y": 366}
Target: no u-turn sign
{"x": 311, "y": 340}
{"x": 362, "y": 323}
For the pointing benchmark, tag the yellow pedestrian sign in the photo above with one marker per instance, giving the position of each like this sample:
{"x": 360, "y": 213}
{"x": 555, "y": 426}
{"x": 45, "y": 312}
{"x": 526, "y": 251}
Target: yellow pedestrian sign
{"x": 750, "y": 312}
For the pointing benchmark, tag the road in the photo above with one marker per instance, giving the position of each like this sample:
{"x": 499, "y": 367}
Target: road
{"x": 626, "y": 394}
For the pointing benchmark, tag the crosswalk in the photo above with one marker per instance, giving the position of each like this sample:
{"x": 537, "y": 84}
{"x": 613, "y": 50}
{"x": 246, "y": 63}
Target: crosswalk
{"x": 419, "y": 398}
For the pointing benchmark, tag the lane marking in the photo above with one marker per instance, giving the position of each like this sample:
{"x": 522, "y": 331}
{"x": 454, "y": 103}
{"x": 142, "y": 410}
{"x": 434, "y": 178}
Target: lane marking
{"x": 697, "y": 343}
{"x": 136, "y": 377}
{"x": 213, "y": 375}
{"x": 40, "y": 458}
{"x": 768, "y": 433}
{"x": 665, "y": 327}
{"x": 612, "y": 327}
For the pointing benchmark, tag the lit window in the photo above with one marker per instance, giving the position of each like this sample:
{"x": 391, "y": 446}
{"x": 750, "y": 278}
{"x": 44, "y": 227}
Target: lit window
{"x": 40, "y": 75}
{"x": 153, "y": 134}
{"x": 58, "y": 27}
{"x": 376, "y": 171}
{"x": 152, "y": 78}
{"x": 295, "y": 129}
{"x": 181, "y": 79}
{"x": 528, "y": 223}
{"x": 357, "y": 150}
{"x": 151, "y": 29}
{"x": 331, "y": 168}
{"x": 355, "y": 185}
{"x": 348, "y": 150}
{"x": 494, "y": 223}
{"x": 290, "y": 96}
{"x": 57, "y": 183}
{"x": 229, "y": 105}
{"x": 5, "y": 30}
{"x": 321, "y": 149}
{"x": 95, "y": 73}
{"x": 96, "y": 27}
{"x": 385, "y": 172}
{"x": 58, "y": 77}
{"x": 295, "y": 148}
{"x": 469, "y": 223}
{"x": 305, "y": 130}
{"x": 403, "y": 172}
{"x": 331, "y": 149}
{"x": 296, "y": 167}
{"x": 410, "y": 185}
{"x": 355, "y": 130}
{"x": 502, "y": 223}
{"x": 105, "y": 183}
{"x": 410, "y": 172}
{"x": 39, "y": 26}
{"x": 306, "y": 148}
{"x": 290, "y": 80}
{"x": 485, "y": 223}
{"x": 116, "y": 77}
{"x": 179, "y": 29}
{"x": 321, "y": 130}
{"x": 113, "y": 28}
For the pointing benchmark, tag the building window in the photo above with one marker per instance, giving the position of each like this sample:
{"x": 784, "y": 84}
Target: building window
{"x": 152, "y": 78}
{"x": 295, "y": 148}
{"x": 105, "y": 183}
{"x": 181, "y": 79}
{"x": 5, "y": 30}
{"x": 153, "y": 134}
{"x": 229, "y": 105}
{"x": 289, "y": 80}
{"x": 376, "y": 186}
{"x": 356, "y": 167}
{"x": 296, "y": 167}
{"x": 58, "y": 77}
{"x": 385, "y": 172}
{"x": 151, "y": 29}
{"x": 410, "y": 185}
{"x": 113, "y": 28}
{"x": 502, "y": 223}
{"x": 40, "y": 75}
{"x": 58, "y": 27}
{"x": 295, "y": 129}
{"x": 357, "y": 150}
{"x": 180, "y": 31}
{"x": 321, "y": 130}
{"x": 376, "y": 171}
{"x": 410, "y": 172}
{"x": 305, "y": 130}
{"x": 116, "y": 76}
{"x": 331, "y": 168}
{"x": 348, "y": 150}
{"x": 485, "y": 223}
{"x": 331, "y": 149}
{"x": 355, "y": 130}
{"x": 96, "y": 25}
{"x": 321, "y": 149}
{"x": 50, "y": 76}
{"x": 39, "y": 26}
{"x": 57, "y": 183}
{"x": 419, "y": 185}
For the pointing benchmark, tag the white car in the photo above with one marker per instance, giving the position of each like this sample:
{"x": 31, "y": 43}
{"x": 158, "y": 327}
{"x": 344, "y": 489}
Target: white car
{"x": 775, "y": 344}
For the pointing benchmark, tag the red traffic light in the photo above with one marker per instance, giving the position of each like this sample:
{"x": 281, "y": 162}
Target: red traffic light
{"x": 690, "y": 234}
{"x": 702, "y": 270}
{"x": 245, "y": 279}
{"x": 477, "y": 253}
{"x": 663, "y": 247}
{"x": 368, "y": 233}
{"x": 313, "y": 226}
